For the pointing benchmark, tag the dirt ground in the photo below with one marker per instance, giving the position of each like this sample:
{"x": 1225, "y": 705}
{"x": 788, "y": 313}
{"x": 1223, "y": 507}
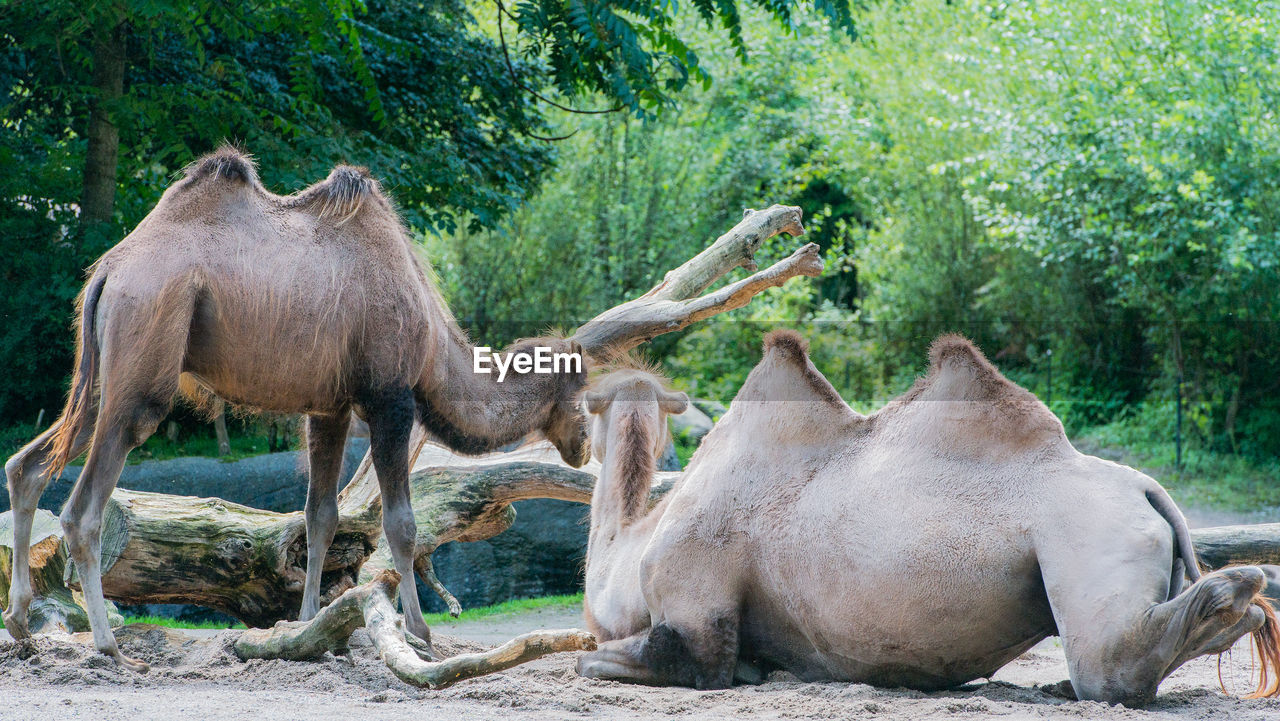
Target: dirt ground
{"x": 196, "y": 676}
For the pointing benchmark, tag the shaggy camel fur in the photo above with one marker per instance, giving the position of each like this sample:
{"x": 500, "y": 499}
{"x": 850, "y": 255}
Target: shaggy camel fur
{"x": 629, "y": 409}
{"x": 925, "y": 545}
{"x": 311, "y": 303}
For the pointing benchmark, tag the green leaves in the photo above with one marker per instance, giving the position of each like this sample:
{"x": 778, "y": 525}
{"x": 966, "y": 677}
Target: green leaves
{"x": 631, "y": 51}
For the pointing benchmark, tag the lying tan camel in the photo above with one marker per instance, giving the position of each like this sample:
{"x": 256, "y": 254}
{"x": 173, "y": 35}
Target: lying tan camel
{"x": 629, "y": 409}
{"x": 925, "y": 545}
{"x": 312, "y": 303}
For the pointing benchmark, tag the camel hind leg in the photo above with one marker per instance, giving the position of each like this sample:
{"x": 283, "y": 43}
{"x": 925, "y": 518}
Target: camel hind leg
{"x": 1107, "y": 584}
{"x": 27, "y": 474}
{"x": 142, "y": 350}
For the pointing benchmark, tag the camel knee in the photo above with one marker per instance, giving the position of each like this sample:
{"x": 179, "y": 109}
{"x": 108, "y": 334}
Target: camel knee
{"x": 25, "y": 483}
{"x": 704, "y": 658}
{"x": 400, "y": 528}
{"x": 81, "y": 534}
{"x": 1224, "y": 597}
{"x": 322, "y": 521}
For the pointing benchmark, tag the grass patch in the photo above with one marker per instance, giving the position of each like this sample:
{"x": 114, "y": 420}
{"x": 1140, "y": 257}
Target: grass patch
{"x": 158, "y": 447}
{"x": 175, "y": 623}
{"x": 508, "y": 608}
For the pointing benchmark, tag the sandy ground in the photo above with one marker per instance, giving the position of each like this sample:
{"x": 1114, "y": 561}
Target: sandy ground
{"x": 196, "y": 676}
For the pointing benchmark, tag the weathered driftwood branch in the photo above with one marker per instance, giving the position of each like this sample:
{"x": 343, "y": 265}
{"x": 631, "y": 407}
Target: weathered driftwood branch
{"x": 369, "y": 605}
{"x": 677, "y": 302}
{"x": 249, "y": 563}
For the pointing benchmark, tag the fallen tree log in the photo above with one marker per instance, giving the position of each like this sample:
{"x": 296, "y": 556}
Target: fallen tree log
{"x": 160, "y": 548}
{"x": 1256, "y": 544}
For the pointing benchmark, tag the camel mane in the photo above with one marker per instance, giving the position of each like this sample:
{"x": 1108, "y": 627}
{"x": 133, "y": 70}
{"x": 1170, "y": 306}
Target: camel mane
{"x": 636, "y": 458}
{"x": 637, "y": 440}
{"x": 629, "y": 361}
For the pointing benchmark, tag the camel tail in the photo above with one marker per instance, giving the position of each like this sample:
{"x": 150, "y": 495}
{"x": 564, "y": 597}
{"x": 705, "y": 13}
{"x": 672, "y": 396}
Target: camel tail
{"x": 1159, "y": 499}
{"x": 79, "y": 411}
{"x": 1266, "y": 640}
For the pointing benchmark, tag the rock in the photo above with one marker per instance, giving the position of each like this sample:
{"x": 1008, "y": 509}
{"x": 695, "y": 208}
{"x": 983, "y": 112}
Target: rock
{"x": 542, "y": 554}
{"x": 693, "y": 423}
{"x": 670, "y": 460}
{"x": 713, "y": 409}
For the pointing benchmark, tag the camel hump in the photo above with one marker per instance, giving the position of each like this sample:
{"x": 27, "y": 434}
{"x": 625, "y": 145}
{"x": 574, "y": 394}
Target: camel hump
{"x": 341, "y": 195}
{"x": 787, "y": 342}
{"x": 792, "y": 351}
{"x": 227, "y": 163}
{"x": 999, "y": 408}
{"x": 959, "y": 371}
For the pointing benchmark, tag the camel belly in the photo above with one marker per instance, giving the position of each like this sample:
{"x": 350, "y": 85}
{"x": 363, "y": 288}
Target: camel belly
{"x": 927, "y": 653}
{"x": 939, "y": 603}
{"x": 283, "y": 358}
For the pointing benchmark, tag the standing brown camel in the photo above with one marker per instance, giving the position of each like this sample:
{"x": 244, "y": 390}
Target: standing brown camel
{"x": 629, "y": 409}
{"x": 310, "y": 303}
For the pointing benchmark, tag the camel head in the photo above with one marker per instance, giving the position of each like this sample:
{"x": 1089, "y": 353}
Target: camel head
{"x": 566, "y": 426}
{"x": 637, "y": 392}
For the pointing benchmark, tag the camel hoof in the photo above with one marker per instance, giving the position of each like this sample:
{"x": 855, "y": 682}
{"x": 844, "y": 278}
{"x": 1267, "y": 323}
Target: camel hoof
{"x": 424, "y": 649}
{"x": 1230, "y": 592}
{"x": 130, "y": 664}
{"x": 17, "y": 627}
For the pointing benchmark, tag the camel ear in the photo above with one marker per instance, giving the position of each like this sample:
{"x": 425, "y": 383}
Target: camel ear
{"x": 595, "y": 401}
{"x": 674, "y": 403}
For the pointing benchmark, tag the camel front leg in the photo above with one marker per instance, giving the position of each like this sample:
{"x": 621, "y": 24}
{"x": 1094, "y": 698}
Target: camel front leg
{"x": 326, "y": 439}
{"x": 702, "y": 654}
{"x": 390, "y": 415}
{"x": 620, "y": 660}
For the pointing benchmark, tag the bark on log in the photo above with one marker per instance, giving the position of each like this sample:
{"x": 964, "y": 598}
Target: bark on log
{"x": 677, "y": 302}
{"x": 1253, "y": 545}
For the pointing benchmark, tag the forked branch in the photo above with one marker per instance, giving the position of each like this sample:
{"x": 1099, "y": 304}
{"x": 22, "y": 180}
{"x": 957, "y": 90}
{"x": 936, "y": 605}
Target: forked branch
{"x": 369, "y": 605}
{"x": 676, "y": 302}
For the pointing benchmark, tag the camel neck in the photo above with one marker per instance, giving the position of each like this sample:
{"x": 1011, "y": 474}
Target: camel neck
{"x": 476, "y": 412}
{"x": 626, "y": 472}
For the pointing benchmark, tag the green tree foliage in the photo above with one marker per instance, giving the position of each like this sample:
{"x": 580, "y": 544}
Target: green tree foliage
{"x": 1095, "y": 180}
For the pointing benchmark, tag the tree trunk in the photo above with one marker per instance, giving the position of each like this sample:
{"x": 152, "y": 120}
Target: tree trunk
{"x": 220, "y": 430}
{"x": 98, "y": 194}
